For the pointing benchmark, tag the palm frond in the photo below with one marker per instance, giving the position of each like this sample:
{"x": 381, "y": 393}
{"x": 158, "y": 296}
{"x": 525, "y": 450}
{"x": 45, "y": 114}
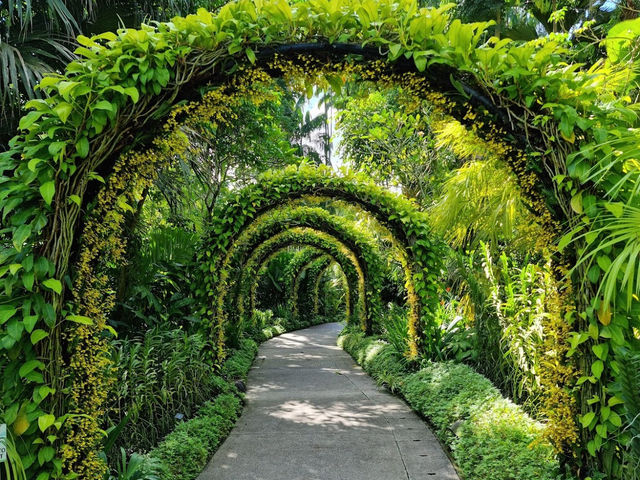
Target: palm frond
{"x": 627, "y": 388}
{"x": 620, "y": 235}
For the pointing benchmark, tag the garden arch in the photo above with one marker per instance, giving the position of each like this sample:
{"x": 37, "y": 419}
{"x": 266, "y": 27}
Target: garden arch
{"x": 242, "y": 260}
{"x": 301, "y": 256}
{"x": 92, "y": 117}
{"x": 329, "y": 245}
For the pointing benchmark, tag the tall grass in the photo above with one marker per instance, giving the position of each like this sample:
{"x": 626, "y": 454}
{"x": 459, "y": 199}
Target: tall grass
{"x": 160, "y": 375}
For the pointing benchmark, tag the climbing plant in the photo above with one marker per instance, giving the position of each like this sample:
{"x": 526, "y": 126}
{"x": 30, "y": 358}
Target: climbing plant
{"x": 278, "y": 220}
{"x": 569, "y": 133}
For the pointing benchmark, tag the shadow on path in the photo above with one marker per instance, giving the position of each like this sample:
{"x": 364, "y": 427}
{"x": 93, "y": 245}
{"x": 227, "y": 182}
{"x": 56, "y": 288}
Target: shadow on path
{"x": 313, "y": 414}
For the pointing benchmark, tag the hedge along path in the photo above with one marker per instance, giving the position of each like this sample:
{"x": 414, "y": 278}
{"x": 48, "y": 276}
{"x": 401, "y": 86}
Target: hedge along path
{"x": 558, "y": 120}
{"x": 243, "y": 271}
{"x": 305, "y": 296}
{"x": 305, "y": 252}
{"x": 279, "y": 237}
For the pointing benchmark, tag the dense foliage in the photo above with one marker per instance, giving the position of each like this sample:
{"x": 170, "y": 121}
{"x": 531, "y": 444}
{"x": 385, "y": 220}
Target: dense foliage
{"x": 489, "y": 436}
{"x": 488, "y": 133}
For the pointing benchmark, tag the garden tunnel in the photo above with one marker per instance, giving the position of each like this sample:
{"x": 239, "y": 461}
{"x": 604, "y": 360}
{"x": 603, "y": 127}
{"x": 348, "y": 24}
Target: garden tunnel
{"x": 292, "y": 271}
{"x": 307, "y": 301}
{"x": 309, "y": 253}
{"x": 273, "y": 191}
{"x": 299, "y": 258}
{"x": 252, "y": 247}
{"x": 121, "y": 126}
{"x": 328, "y": 245}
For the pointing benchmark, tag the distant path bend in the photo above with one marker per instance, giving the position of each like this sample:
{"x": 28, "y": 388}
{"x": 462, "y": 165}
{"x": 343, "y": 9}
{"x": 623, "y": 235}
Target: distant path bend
{"x": 313, "y": 414}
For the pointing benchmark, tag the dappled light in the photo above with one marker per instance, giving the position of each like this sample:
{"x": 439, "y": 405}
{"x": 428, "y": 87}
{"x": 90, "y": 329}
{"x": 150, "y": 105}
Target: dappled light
{"x": 447, "y": 191}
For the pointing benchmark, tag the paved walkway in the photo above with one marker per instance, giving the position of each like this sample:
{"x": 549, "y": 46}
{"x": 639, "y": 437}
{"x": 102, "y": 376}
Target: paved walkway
{"x": 313, "y": 414}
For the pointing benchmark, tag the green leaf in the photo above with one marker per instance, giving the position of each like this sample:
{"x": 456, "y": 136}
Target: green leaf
{"x": 29, "y": 119}
{"x": 587, "y": 418}
{"x": 104, "y": 105}
{"x": 565, "y": 240}
{"x": 597, "y": 368}
{"x": 48, "y": 190}
{"x": 45, "y": 421}
{"x": 395, "y": 49}
{"x": 616, "y": 208}
{"x": 250, "y": 55}
{"x": 29, "y": 322}
{"x": 63, "y": 110}
{"x": 38, "y": 335}
{"x": 53, "y": 284}
{"x": 30, "y": 366}
{"x": 133, "y": 93}
{"x": 604, "y": 262}
{"x": 28, "y": 280}
{"x": 75, "y": 199}
{"x": 6, "y": 313}
{"x": 601, "y": 350}
{"x": 421, "y": 63}
{"x": 615, "y": 419}
{"x": 20, "y": 235}
{"x": 46, "y": 454}
{"x": 82, "y": 147}
{"x": 80, "y": 319}
{"x": 576, "y": 203}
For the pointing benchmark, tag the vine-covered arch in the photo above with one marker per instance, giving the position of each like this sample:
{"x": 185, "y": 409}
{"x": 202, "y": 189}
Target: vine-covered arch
{"x": 118, "y": 96}
{"x": 238, "y": 269}
{"x": 325, "y": 244}
{"x": 274, "y": 189}
{"x": 311, "y": 271}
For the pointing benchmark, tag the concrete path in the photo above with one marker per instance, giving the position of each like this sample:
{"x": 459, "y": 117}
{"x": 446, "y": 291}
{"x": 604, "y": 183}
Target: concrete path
{"x": 313, "y": 414}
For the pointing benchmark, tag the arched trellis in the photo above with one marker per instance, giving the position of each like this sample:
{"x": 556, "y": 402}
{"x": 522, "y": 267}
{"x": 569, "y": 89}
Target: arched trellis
{"x": 404, "y": 220}
{"x": 91, "y": 118}
{"x": 326, "y": 244}
{"x": 291, "y": 270}
{"x": 240, "y": 265}
{"x": 311, "y": 271}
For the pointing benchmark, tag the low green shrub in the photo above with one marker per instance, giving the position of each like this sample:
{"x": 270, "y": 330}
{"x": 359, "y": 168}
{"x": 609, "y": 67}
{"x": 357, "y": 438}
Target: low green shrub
{"x": 490, "y": 437}
{"x": 185, "y": 452}
{"x": 238, "y": 364}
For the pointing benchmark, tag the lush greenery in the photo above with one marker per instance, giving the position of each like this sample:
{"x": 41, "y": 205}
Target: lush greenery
{"x": 489, "y": 436}
{"x": 516, "y": 139}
